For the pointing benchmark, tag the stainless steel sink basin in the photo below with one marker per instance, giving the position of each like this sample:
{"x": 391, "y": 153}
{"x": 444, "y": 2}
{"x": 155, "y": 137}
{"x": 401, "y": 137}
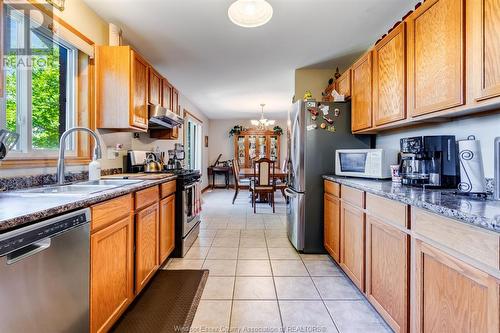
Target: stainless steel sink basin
{"x": 110, "y": 182}
{"x": 69, "y": 189}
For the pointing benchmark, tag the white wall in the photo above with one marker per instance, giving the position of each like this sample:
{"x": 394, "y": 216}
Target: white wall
{"x": 219, "y": 141}
{"x": 485, "y": 128}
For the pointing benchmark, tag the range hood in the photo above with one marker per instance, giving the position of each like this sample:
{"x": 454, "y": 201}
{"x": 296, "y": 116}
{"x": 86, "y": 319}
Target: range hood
{"x": 160, "y": 118}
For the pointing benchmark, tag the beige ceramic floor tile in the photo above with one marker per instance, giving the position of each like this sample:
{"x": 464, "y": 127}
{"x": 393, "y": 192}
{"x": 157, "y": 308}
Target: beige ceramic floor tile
{"x": 252, "y": 242}
{"x": 218, "y": 287}
{"x": 306, "y": 316}
{"x": 283, "y": 253}
{"x": 220, "y": 267}
{"x": 288, "y": 268}
{"x": 279, "y": 242}
{"x": 254, "y": 287}
{"x": 212, "y": 316}
{"x": 296, "y": 288}
{"x": 336, "y": 287}
{"x": 252, "y": 233}
{"x": 197, "y": 253}
{"x": 222, "y": 253}
{"x": 228, "y": 233}
{"x": 253, "y": 268}
{"x": 322, "y": 268}
{"x": 226, "y": 241}
{"x": 253, "y": 253}
{"x": 250, "y": 315}
{"x": 203, "y": 241}
{"x": 314, "y": 257}
{"x": 356, "y": 316}
{"x": 180, "y": 263}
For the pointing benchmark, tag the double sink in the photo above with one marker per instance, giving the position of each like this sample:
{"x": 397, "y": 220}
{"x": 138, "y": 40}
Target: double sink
{"x": 83, "y": 188}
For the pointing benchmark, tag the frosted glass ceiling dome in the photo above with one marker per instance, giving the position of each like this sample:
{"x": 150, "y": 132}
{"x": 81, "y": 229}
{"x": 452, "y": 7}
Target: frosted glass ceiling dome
{"x": 250, "y": 13}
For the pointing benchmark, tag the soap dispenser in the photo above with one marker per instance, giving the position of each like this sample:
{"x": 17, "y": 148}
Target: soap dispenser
{"x": 94, "y": 168}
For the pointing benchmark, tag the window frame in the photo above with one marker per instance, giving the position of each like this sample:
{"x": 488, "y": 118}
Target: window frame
{"x": 83, "y": 99}
{"x": 197, "y": 136}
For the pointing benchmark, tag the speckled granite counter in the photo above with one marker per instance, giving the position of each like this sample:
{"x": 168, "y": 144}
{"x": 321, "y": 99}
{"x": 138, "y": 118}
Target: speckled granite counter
{"x": 482, "y": 213}
{"x": 17, "y": 209}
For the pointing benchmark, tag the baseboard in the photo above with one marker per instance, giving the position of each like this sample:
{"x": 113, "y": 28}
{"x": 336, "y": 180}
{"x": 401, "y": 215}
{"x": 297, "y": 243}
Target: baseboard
{"x": 205, "y": 189}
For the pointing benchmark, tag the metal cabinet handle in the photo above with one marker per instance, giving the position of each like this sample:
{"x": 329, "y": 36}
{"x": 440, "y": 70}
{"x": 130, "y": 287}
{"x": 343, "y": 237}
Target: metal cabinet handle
{"x": 290, "y": 193}
{"x": 28, "y": 251}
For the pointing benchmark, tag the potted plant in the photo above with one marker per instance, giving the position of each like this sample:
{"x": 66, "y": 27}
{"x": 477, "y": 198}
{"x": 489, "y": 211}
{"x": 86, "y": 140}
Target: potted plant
{"x": 237, "y": 129}
{"x": 278, "y": 130}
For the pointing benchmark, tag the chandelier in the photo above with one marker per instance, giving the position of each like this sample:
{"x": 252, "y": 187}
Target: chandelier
{"x": 262, "y": 123}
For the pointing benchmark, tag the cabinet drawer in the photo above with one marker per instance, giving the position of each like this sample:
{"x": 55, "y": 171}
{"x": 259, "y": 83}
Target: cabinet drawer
{"x": 332, "y": 188}
{"x": 107, "y": 212}
{"x": 473, "y": 242}
{"x": 387, "y": 210}
{"x": 167, "y": 188}
{"x": 146, "y": 197}
{"x": 353, "y": 196}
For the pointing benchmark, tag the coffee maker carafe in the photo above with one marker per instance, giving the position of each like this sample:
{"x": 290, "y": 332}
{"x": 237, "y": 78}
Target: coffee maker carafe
{"x": 413, "y": 162}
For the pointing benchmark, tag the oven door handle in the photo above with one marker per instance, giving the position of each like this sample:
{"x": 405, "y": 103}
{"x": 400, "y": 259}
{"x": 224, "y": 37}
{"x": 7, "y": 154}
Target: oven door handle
{"x": 189, "y": 186}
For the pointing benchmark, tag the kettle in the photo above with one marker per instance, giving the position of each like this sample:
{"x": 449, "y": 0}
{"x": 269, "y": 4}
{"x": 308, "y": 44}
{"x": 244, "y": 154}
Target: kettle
{"x": 152, "y": 164}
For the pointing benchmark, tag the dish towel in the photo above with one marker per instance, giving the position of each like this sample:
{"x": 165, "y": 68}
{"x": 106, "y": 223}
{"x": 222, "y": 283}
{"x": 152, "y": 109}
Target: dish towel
{"x": 197, "y": 199}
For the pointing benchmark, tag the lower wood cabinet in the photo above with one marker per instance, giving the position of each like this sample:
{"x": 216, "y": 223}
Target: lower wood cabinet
{"x": 452, "y": 296}
{"x": 387, "y": 272}
{"x": 146, "y": 245}
{"x": 352, "y": 240}
{"x": 167, "y": 227}
{"x": 112, "y": 273}
{"x": 332, "y": 226}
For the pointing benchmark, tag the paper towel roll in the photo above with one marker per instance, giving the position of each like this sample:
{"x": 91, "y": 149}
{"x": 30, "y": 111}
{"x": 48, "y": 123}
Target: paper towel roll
{"x": 471, "y": 166}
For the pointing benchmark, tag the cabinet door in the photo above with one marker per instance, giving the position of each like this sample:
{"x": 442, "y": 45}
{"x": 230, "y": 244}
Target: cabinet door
{"x": 389, "y": 77}
{"x": 452, "y": 296}
{"x": 167, "y": 227}
{"x": 146, "y": 245}
{"x": 485, "y": 50}
{"x": 352, "y": 241}
{"x": 362, "y": 93}
{"x": 387, "y": 272}
{"x": 436, "y": 56}
{"x": 154, "y": 89}
{"x": 166, "y": 94}
{"x": 111, "y": 273}
{"x": 343, "y": 85}
{"x": 332, "y": 226}
{"x": 139, "y": 98}
{"x": 175, "y": 101}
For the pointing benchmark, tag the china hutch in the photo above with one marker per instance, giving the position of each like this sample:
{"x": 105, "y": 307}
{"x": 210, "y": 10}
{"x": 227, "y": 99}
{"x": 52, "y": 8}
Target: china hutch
{"x": 254, "y": 144}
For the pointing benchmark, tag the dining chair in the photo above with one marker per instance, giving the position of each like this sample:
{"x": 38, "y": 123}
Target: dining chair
{"x": 263, "y": 181}
{"x": 281, "y": 182}
{"x": 238, "y": 182}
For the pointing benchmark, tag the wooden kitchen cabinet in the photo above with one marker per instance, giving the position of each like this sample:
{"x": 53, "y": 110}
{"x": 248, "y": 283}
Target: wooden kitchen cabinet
{"x": 484, "y": 53}
{"x": 387, "y": 272}
{"x": 112, "y": 272}
{"x": 332, "y": 226}
{"x": 352, "y": 242}
{"x": 175, "y": 101}
{"x": 436, "y": 40}
{"x": 167, "y": 227}
{"x": 389, "y": 77}
{"x": 166, "y": 98}
{"x": 361, "y": 100}
{"x": 155, "y": 87}
{"x": 343, "y": 84}
{"x": 170, "y": 101}
{"x": 121, "y": 89}
{"x": 146, "y": 245}
{"x": 451, "y": 295}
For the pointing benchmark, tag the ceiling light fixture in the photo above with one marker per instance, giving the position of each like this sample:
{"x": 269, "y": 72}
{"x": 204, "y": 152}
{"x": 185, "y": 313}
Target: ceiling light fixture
{"x": 262, "y": 123}
{"x": 250, "y": 13}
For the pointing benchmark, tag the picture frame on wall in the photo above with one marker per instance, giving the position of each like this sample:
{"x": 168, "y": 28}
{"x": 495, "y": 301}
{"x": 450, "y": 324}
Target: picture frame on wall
{"x": 206, "y": 141}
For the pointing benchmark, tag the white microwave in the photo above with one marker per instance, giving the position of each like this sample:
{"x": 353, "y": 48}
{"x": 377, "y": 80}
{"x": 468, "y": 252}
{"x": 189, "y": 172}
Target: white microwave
{"x": 366, "y": 163}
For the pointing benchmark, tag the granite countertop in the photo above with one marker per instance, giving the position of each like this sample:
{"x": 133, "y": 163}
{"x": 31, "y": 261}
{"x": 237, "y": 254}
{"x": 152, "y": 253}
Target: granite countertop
{"x": 482, "y": 213}
{"x": 17, "y": 209}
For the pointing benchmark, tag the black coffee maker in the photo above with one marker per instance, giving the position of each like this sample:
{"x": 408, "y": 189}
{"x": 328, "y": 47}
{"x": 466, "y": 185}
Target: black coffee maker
{"x": 429, "y": 161}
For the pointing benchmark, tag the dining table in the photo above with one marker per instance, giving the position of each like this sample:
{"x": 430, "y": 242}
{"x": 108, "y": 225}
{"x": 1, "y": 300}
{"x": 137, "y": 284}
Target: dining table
{"x": 249, "y": 172}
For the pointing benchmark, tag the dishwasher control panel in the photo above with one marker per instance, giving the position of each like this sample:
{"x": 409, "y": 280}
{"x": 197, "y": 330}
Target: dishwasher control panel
{"x": 20, "y": 238}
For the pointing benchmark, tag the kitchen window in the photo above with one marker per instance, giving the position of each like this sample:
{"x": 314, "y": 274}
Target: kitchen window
{"x": 45, "y": 85}
{"x": 193, "y": 134}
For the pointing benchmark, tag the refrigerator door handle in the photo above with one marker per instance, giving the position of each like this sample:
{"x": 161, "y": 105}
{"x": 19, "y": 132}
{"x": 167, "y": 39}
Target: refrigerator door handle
{"x": 290, "y": 193}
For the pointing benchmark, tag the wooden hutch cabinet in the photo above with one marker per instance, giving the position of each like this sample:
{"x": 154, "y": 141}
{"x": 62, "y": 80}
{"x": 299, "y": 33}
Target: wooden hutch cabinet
{"x": 251, "y": 145}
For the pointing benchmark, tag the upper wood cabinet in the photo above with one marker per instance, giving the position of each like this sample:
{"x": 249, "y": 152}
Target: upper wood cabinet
{"x": 155, "y": 87}
{"x": 484, "y": 28}
{"x": 175, "y": 101}
{"x": 332, "y": 226}
{"x": 121, "y": 89}
{"x": 452, "y": 296}
{"x": 436, "y": 39}
{"x": 362, "y": 93}
{"x": 389, "y": 77}
{"x": 166, "y": 98}
{"x": 344, "y": 84}
{"x": 352, "y": 240}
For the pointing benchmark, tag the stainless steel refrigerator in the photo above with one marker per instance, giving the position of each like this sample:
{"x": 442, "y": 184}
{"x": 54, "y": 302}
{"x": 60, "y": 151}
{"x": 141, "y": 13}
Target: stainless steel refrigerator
{"x": 311, "y": 154}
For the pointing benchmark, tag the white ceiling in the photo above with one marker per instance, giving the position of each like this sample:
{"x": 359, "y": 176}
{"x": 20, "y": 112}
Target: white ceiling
{"x": 226, "y": 70}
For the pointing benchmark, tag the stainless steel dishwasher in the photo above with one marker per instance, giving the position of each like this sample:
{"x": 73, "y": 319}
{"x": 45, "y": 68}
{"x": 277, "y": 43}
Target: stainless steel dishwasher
{"x": 44, "y": 276}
